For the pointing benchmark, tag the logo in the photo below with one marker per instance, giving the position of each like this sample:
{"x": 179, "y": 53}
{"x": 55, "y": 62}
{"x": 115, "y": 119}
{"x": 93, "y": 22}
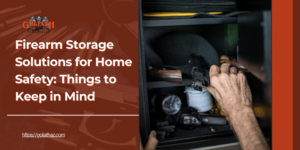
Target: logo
{"x": 38, "y": 24}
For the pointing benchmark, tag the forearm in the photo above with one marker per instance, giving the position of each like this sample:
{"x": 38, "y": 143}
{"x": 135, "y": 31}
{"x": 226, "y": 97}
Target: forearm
{"x": 247, "y": 130}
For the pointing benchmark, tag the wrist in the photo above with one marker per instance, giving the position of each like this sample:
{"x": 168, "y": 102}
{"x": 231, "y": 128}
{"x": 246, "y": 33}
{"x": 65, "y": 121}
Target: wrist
{"x": 240, "y": 114}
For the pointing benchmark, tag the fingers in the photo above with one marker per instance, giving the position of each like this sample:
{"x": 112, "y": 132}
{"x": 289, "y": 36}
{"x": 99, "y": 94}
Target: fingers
{"x": 242, "y": 81}
{"x": 221, "y": 78}
{"x": 234, "y": 79}
{"x": 225, "y": 68}
{"x": 215, "y": 82}
{"x": 241, "y": 77}
{"x": 213, "y": 92}
{"x": 248, "y": 93}
{"x": 152, "y": 142}
{"x": 233, "y": 70}
{"x": 224, "y": 57}
{"x": 214, "y": 71}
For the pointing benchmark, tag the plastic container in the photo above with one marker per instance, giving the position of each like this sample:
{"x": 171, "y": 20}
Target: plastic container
{"x": 200, "y": 100}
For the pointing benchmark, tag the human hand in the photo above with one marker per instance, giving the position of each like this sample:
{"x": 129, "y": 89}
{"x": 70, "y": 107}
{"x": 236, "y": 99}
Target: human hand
{"x": 230, "y": 88}
{"x": 152, "y": 142}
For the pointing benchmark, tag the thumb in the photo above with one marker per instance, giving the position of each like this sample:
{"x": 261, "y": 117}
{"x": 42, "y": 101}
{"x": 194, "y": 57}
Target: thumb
{"x": 212, "y": 91}
{"x": 209, "y": 88}
{"x": 152, "y": 142}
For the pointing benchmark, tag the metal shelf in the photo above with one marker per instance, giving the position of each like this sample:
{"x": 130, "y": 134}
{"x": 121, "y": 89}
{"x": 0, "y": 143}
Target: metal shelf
{"x": 189, "y": 21}
{"x": 163, "y": 84}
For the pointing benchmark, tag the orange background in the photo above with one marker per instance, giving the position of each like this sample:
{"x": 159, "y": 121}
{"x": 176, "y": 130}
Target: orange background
{"x": 118, "y": 23}
{"x": 282, "y": 48}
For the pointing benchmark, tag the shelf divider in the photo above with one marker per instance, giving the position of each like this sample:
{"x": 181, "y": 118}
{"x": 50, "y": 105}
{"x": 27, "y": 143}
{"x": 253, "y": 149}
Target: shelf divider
{"x": 163, "y": 84}
{"x": 189, "y": 21}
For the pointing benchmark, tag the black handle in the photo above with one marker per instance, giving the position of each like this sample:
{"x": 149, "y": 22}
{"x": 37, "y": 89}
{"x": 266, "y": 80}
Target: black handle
{"x": 213, "y": 120}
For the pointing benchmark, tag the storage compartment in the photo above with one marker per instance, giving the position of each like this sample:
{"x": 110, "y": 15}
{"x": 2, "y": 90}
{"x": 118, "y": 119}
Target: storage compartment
{"x": 223, "y": 38}
{"x": 222, "y": 34}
